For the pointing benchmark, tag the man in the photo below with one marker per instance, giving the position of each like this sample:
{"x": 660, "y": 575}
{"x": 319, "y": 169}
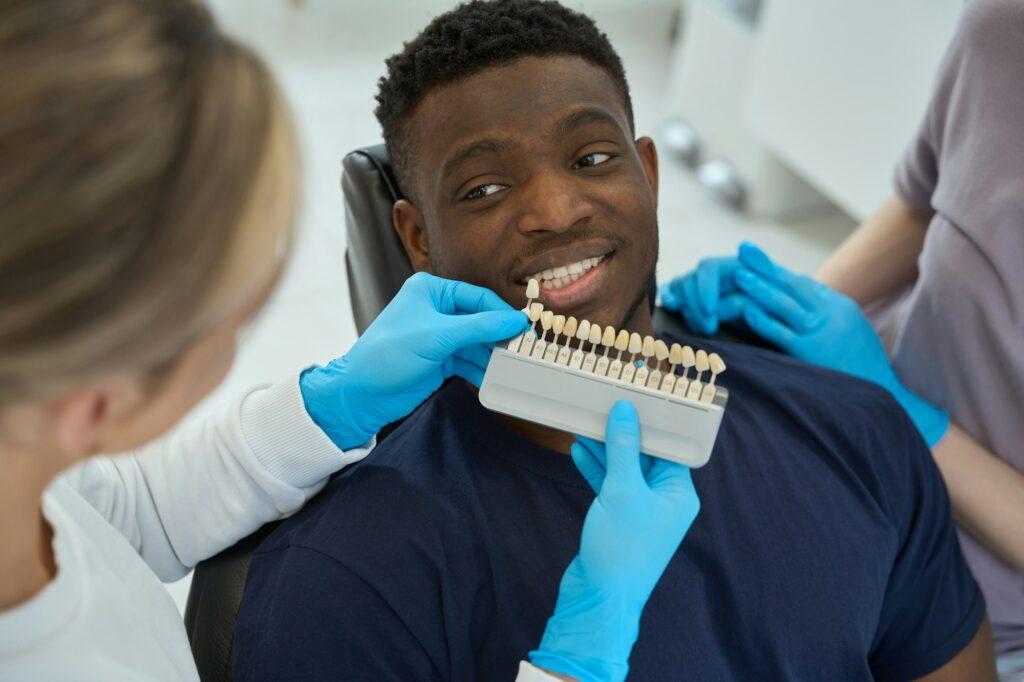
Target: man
{"x": 824, "y": 548}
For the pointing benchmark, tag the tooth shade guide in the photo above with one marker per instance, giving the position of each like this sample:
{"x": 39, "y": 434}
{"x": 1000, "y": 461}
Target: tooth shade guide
{"x": 668, "y": 382}
{"x": 654, "y": 379}
{"x": 569, "y": 330}
{"x": 693, "y": 392}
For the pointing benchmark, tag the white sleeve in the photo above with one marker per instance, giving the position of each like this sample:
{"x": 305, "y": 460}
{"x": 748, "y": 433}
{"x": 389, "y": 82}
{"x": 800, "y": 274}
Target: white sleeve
{"x": 214, "y": 481}
{"x": 531, "y": 673}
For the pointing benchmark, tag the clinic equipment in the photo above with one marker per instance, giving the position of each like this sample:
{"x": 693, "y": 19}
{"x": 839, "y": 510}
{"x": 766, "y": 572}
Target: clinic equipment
{"x": 545, "y": 376}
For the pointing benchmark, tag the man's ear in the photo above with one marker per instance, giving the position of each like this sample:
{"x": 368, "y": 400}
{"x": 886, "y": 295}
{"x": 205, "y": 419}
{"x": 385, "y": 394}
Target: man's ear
{"x": 412, "y": 230}
{"x": 649, "y": 158}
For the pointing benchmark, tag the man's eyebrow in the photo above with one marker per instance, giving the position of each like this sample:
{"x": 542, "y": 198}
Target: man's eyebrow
{"x": 582, "y": 117}
{"x": 472, "y": 150}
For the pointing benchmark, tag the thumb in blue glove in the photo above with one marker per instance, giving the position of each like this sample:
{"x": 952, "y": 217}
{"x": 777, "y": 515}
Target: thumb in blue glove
{"x": 815, "y": 323}
{"x": 433, "y": 329}
{"x": 644, "y": 507}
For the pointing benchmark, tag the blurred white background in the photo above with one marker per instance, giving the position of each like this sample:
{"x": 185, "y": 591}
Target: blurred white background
{"x": 328, "y": 55}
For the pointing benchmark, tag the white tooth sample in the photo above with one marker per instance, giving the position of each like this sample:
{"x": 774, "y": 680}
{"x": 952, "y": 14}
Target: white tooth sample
{"x": 688, "y": 361}
{"x": 701, "y": 363}
{"x": 569, "y": 329}
{"x": 675, "y": 356}
{"x": 546, "y": 318}
{"x": 526, "y": 347}
{"x": 607, "y": 340}
{"x": 717, "y": 366}
{"x": 595, "y": 338}
{"x": 621, "y": 343}
{"x": 644, "y": 370}
{"x": 561, "y": 271}
{"x": 557, "y": 324}
{"x": 582, "y": 333}
{"x": 576, "y": 268}
{"x": 660, "y": 354}
{"x": 636, "y": 344}
{"x": 532, "y": 289}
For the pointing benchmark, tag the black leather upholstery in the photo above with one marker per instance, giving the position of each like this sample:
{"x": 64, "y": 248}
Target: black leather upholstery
{"x": 375, "y": 259}
{"x": 377, "y": 266}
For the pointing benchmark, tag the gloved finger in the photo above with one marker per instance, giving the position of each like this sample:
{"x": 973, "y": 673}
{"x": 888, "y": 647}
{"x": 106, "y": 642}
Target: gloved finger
{"x": 596, "y": 449}
{"x": 671, "y": 477}
{"x": 699, "y": 322}
{"x": 459, "y": 331}
{"x": 470, "y": 298}
{"x": 667, "y": 298}
{"x": 730, "y": 308}
{"x": 463, "y": 368}
{"x": 795, "y": 285}
{"x": 622, "y": 446}
{"x": 588, "y": 466}
{"x": 769, "y": 328}
{"x": 714, "y": 278}
{"x": 477, "y": 354}
{"x": 775, "y": 301}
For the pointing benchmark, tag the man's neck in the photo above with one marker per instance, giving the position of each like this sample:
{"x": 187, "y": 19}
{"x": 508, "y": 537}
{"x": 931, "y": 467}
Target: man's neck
{"x": 560, "y": 441}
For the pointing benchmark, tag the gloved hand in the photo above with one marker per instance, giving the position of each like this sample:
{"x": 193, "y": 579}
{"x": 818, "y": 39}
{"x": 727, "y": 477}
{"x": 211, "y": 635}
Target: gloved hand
{"x": 433, "y": 329}
{"x": 810, "y": 321}
{"x": 705, "y": 296}
{"x": 644, "y": 507}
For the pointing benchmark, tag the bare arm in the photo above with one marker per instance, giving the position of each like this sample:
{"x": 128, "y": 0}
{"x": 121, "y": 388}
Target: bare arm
{"x": 986, "y": 493}
{"x": 880, "y": 257}
{"x": 976, "y": 663}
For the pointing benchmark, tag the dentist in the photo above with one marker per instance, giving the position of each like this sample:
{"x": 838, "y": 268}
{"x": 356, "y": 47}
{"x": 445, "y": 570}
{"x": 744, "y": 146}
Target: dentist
{"x": 147, "y": 192}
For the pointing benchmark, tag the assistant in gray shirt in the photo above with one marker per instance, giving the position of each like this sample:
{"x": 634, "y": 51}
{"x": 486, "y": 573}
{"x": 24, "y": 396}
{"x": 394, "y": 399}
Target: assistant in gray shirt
{"x": 959, "y": 336}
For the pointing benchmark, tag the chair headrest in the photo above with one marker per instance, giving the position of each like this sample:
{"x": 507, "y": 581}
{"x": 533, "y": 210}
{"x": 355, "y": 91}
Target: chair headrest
{"x": 374, "y": 257}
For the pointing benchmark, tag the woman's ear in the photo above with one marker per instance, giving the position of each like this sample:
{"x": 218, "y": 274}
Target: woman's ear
{"x": 649, "y": 158}
{"x": 412, "y": 230}
{"x": 83, "y": 417}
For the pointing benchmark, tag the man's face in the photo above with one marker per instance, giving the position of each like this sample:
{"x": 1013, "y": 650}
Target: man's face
{"x": 524, "y": 170}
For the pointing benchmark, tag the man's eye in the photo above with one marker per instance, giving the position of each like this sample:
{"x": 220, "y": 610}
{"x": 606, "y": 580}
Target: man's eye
{"x": 484, "y": 191}
{"x": 591, "y": 160}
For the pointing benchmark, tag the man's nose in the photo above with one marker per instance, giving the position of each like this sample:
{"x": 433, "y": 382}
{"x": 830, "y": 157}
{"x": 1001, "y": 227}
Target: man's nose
{"x": 552, "y": 202}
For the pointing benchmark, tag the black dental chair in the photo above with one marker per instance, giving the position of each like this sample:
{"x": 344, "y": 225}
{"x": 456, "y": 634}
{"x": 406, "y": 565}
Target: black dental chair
{"x": 377, "y": 266}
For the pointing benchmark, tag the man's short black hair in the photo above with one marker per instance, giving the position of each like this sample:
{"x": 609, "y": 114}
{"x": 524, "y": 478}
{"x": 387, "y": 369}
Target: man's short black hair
{"x": 476, "y": 36}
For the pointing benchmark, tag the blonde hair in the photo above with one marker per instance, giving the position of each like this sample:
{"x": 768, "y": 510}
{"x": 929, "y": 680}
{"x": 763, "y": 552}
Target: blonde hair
{"x": 132, "y": 134}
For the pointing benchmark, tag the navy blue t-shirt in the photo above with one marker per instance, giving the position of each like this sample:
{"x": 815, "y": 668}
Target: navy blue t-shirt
{"x": 823, "y": 549}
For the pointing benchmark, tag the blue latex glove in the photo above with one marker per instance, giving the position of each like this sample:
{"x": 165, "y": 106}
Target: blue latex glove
{"x": 433, "y": 329}
{"x": 644, "y": 507}
{"x": 705, "y": 296}
{"x": 810, "y": 321}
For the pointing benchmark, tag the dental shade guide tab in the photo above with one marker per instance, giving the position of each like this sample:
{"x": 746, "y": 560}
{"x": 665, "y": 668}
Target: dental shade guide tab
{"x": 675, "y": 356}
{"x": 536, "y": 309}
{"x": 636, "y": 344}
{"x": 717, "y": 366}
{"x": 546, "y": 319}
{"x": 570, "y": 331}
{"x": 582, "y": 334}
{"x": 557, "y": 324}
{"x": 607, "y": 340}
{"x": 591, "y": 358}
{"x": 647, "y": 351}
{"x": 701, "y": 364}
{"x": 660, "y": 355}
{"x": 621, "y": 344}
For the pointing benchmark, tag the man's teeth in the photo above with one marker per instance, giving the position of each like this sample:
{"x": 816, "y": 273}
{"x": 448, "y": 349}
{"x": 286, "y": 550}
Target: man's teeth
{"x": 564, "y": 275}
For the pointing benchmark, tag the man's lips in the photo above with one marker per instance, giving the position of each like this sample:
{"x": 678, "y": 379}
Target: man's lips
{"x": 558, "y": 265}
{"x": 574, "y": 295}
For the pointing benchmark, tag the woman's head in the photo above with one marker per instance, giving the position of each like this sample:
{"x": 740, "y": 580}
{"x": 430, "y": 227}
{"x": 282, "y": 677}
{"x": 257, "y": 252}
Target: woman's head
{"x": 147, "y": 183}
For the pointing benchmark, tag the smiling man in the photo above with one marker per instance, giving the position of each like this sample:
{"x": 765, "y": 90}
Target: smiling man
{"x": 824, "y": 548}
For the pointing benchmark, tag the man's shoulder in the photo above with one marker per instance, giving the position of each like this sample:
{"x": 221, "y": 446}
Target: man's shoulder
{"x": 395, "y": 497}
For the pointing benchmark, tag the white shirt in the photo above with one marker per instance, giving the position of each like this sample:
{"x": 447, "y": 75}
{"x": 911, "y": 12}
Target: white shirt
{"x": 123, "y": 524}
